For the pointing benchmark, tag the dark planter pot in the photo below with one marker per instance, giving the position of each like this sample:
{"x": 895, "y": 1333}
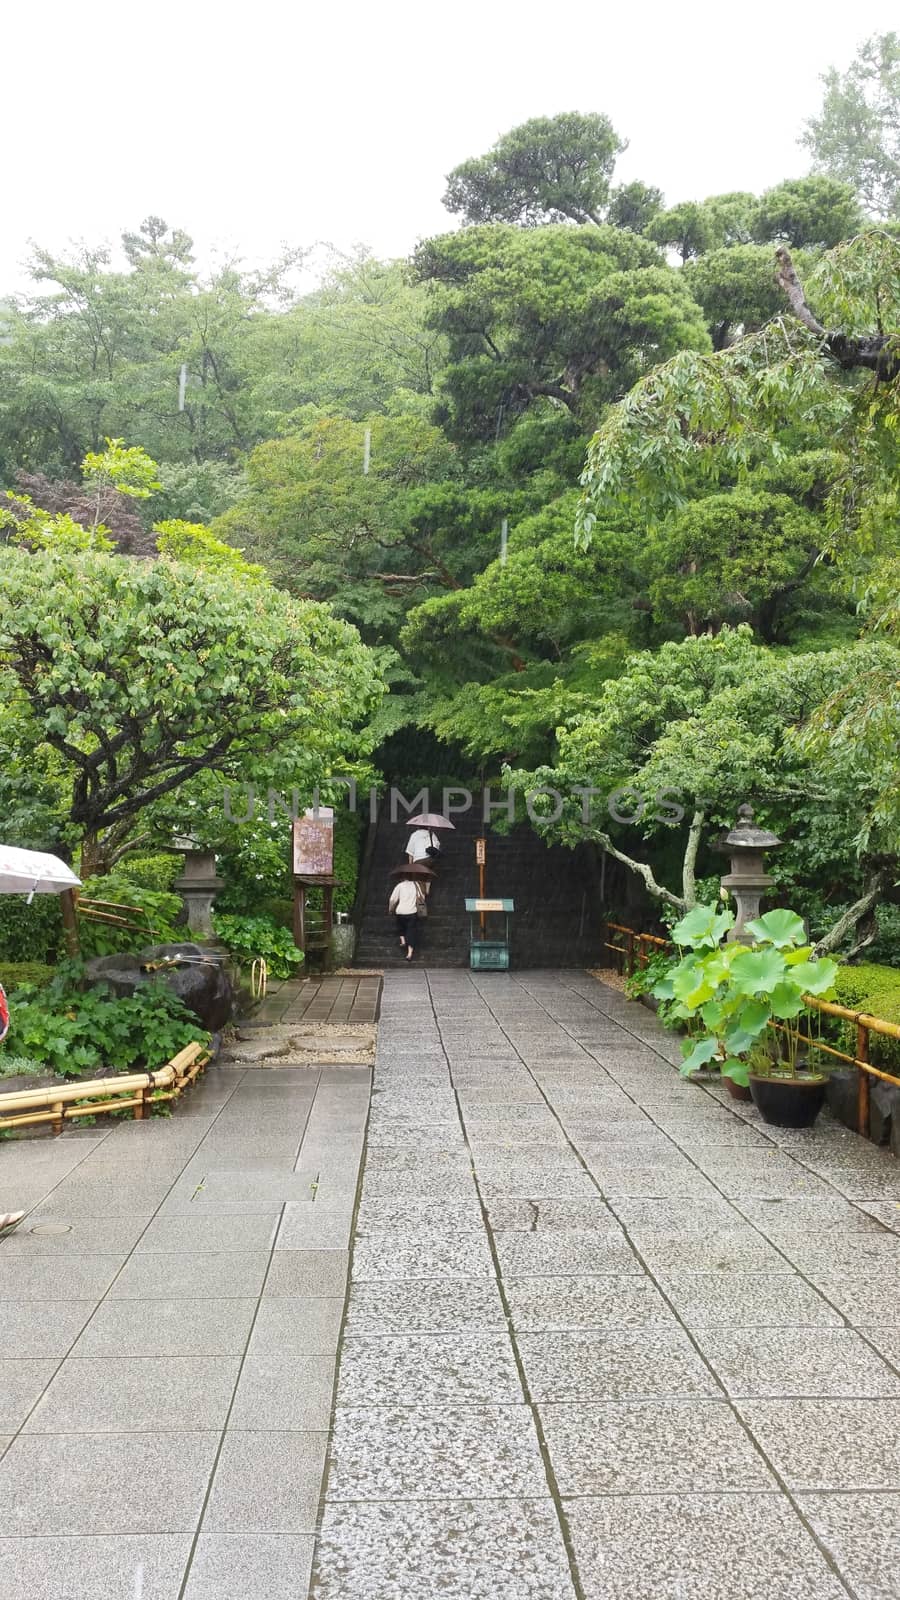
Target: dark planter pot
{"x": 738, "y": 1091}
{"x": 788, "y": 1102}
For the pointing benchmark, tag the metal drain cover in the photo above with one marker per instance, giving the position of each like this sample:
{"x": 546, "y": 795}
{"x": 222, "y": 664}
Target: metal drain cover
{"x": 52, "y": 1227}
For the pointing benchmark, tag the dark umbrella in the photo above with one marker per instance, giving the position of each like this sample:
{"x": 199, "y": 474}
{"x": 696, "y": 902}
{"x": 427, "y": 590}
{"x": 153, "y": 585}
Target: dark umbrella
{"x": 413, "y": 869}
{"x": 429, "y": 819}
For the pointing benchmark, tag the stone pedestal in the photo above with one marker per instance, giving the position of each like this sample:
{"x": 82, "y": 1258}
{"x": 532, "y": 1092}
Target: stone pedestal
{"x": 198, "y": 887}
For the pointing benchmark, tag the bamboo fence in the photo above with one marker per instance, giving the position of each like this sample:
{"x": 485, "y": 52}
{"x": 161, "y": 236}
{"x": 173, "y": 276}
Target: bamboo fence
{"x": 636, "y": 952}
{"x": 138, "y": 1092}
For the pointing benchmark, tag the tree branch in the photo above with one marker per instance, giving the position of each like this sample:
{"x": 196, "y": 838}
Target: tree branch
{"x": 689, "y": 865}
{"x": 658, "y": 890}
{"x": 854, "y": 914}
{"x": 788, "y": 281}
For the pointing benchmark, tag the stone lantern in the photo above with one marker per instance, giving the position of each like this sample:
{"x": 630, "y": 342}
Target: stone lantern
{"x": 747, "y": 879}
{"x": 198, "y": 885}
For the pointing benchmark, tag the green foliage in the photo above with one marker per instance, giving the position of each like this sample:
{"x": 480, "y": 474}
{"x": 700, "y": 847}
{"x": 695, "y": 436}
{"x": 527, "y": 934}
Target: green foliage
{"x": 249, "y": 938}
{"x": 551, "y": 169}
{"x": 196, "y": 546}
{"x": 151, "y": 871}
{"x": 734, "y": 557}
{"x": 739, "y": 991}
{"x": 568, "y": 314}
{"x": 74, "y": 1031}
{"x": 126, "y": 468}
{"x": 856, "y": 137}
{"x": 15, "y": 974}
{"x": 633, "y": 206}
{"x": 30, "y": 932}
{"x": 155, "y": 911}
{"x": 736, "y": 288}
{"x": 875, "y": 990}
{"x": 143, "y": 675}
{"x": 808, "y": 211}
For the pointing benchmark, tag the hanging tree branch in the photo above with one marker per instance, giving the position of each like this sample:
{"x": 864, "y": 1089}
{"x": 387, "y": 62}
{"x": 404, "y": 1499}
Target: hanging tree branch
{"x": 878, "y": 353}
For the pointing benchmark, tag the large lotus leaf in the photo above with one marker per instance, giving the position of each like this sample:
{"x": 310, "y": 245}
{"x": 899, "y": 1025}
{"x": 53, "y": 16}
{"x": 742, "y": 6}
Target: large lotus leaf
{"x": 703, "y": 927}
{"x": 794, "y": 957}
{"x": 738, "y": 1071}
{"x": 815, "y": 977}
{"x": 703, "y": 1051}
{"x": 757, "y": 971}
{"x": 787, "y": 999}
{"x": 779, "y": 928}
{"x": 712, "y": 1015}
{"x": 749, "y": 1023}
{"x": 664, "y": 989}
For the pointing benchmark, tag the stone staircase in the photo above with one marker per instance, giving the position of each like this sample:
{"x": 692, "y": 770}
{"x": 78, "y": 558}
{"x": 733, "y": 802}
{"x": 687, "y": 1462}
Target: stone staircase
{"x": 557, "y": 920}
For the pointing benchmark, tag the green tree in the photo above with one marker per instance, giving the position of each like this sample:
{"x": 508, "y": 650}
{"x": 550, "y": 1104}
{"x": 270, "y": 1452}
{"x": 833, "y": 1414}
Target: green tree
{"x": 138, "y": 676}
{"x": 816, "y": 211}
{"x": 736, "y": 288}
{"x": 695, "y": 226}
{"x": 569, "y": 315}
{"x": 551, "y": 169}
{"x": 633, "y": 206}
{"x": 856, "y": 136}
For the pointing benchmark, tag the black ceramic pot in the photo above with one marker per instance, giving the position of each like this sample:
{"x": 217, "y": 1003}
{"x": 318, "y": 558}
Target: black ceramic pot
{"x": 788, "y": 1102}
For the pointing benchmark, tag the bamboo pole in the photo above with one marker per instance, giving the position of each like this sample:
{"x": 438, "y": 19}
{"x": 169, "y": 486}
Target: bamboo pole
{"x": 26, "y": 1107}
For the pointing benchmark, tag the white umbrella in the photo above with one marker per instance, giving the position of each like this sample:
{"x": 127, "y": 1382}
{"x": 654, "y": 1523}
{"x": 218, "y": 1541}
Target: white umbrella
{"x": 34, "y": 872}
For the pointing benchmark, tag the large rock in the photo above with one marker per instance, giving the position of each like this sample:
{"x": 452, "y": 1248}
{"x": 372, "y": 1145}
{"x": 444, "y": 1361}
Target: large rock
{"x": 884, "y": 1111}
{"x": 197, "y": 976}
{"x": 843, "y": 1095}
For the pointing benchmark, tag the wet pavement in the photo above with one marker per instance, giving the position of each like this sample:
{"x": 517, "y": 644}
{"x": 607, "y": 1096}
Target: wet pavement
{"x": 605, "y": 1336}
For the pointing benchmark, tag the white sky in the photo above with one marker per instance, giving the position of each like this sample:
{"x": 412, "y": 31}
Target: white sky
{"x": 255, "y": 125}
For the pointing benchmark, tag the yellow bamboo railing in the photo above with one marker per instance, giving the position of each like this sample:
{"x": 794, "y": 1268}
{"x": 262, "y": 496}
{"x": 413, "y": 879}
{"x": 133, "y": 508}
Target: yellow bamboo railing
{"x": 137, "y": 1091}
{"x": 635, "y": 952}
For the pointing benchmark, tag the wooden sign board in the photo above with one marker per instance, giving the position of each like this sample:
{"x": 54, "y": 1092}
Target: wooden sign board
{"x": 313, "y": 844}
{"x": 480, "y": 852}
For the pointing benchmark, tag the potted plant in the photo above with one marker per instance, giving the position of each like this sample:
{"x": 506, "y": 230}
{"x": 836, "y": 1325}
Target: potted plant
{"x": 740, "y": 993}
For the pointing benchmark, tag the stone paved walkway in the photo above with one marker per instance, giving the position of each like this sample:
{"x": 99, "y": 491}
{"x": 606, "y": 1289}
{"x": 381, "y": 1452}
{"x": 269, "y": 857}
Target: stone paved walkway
{"x": 604, "y": 1337}
{"x": 330, "y": 999}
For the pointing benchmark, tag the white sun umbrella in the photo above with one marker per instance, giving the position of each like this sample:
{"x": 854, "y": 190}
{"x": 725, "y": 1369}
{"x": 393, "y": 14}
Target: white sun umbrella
{"x": 32, "y": 872}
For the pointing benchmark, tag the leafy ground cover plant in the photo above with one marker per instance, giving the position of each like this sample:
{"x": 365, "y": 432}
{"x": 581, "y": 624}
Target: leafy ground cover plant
{"x": 76, "y": 1031}
{"x": 250, "y": 937}
{"x": 739, "y": 991}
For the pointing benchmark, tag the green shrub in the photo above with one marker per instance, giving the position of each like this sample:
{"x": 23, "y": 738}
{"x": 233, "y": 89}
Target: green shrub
{"x": 159, "y": 911}
{"x": 15, "y": 974}
{"x": 19, "y": 1066}
{"x": 30, "y": 932}
{"x": 249, "y": 937}
{"x": 74, "y": 1031}
{"x": 151, "y": 871}
{"x": 876, "y": 990}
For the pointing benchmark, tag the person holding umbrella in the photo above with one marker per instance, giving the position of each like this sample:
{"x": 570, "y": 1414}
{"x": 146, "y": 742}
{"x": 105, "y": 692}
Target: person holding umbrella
{"x": 407, "y": 902}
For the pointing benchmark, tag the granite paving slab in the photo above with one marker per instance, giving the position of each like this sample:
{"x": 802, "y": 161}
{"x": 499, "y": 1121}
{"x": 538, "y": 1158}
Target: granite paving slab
{"x": 780, "y": 1218}
{"x": 435, "y": 1453}
{"x": 84, "y": 1483}
{"x": 112, "y": 1567}
{"x": 415, "y": 1550}
{"x": 796, "y": 1362}
{"x": 42, "y": 1327}
{"x": 267, "y": 1483}
{"x": 861, "y": 1533}
{"x": 556, "y": 1254}
{"x": 148, "y": 1327}
{"x": 249, "y": 1566}
{"x": 751, "y": 1546}
{"x": 444, "y": 1369}
{"x": 651, "y": 1447}
{"x": 620, "y": 1365}
{"x": 281, "y": 1391}
{"x": 159, "y": 1394}
{"x": 178, "y": 1275}
{"x": 301, "y": 1325}
{"x": 22, "y": 1382}
{"x": 747, "y": 1299}
{"x": 424, "y": 1307}
{"x": 829, "y": 1444}
{"x": 546, "y": 1304}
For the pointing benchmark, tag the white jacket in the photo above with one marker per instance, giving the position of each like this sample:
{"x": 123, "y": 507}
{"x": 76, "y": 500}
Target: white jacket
{"x": 406, "y": 897}
{"x": 418, "y": 843}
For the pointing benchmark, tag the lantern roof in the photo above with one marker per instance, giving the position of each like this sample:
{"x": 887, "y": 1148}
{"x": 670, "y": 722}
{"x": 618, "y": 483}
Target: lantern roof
{"x": 747, "y": 836}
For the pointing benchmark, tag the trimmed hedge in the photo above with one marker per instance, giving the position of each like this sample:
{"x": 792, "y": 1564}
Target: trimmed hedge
{"x": 13, "y": 974}
{"x": 30, "y": 932}
{"x": 874, "y": 989}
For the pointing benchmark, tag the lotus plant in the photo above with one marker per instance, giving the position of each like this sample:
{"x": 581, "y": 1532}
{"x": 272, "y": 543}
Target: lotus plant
{"x": 737, "y": 990}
